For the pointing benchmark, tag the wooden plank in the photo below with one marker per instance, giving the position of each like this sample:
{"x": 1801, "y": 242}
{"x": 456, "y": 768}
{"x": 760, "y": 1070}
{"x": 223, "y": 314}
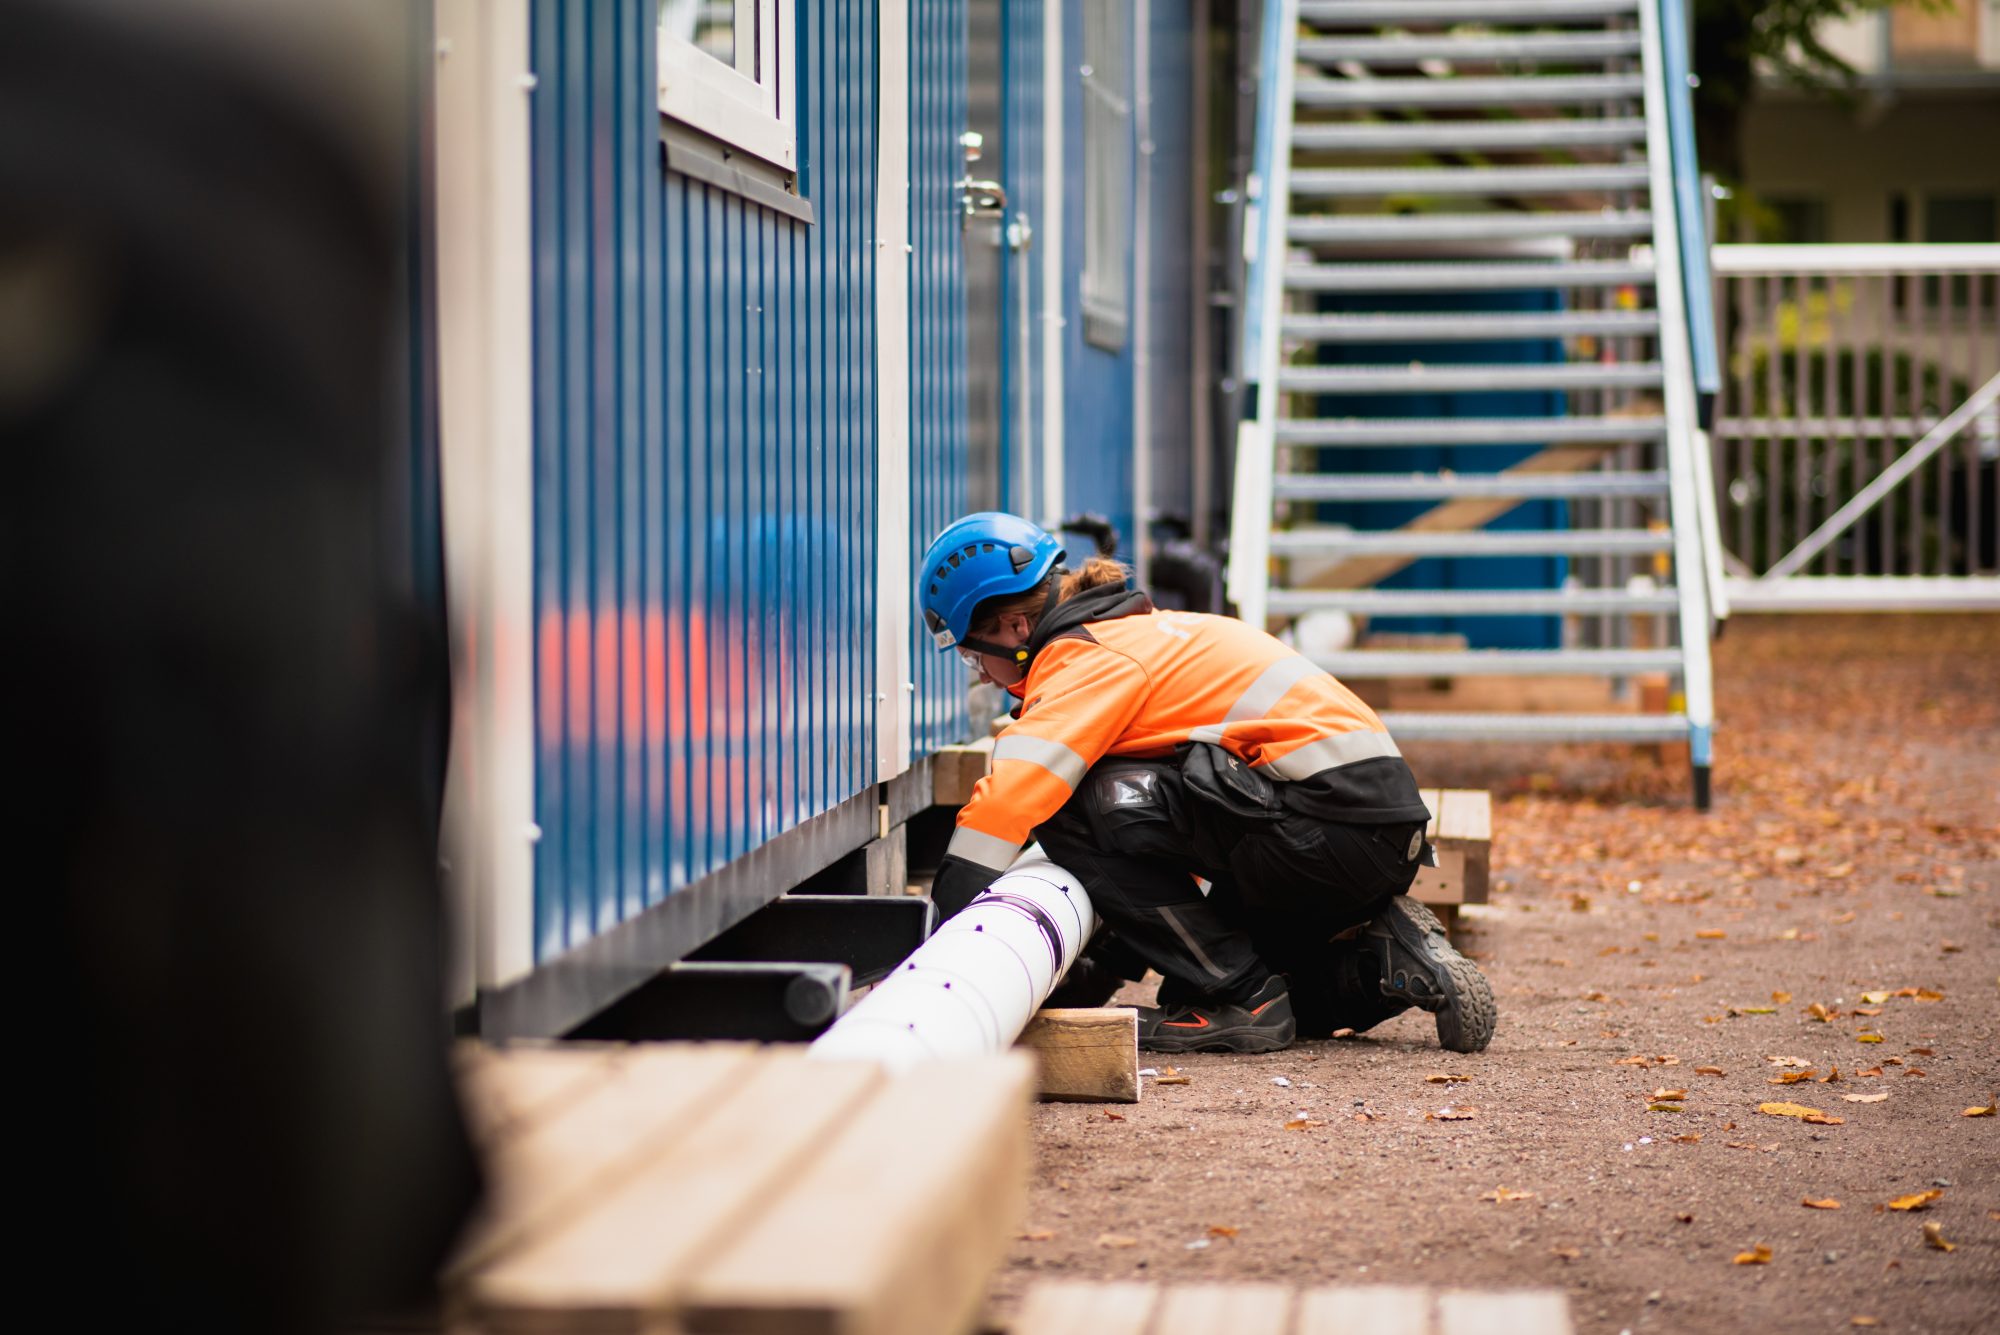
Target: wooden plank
{"x": 1087, "y": 1307}
{"x": 1085, "y": 1054}
{"x": 539, "y": 1178}
{"x": 1381, "y": 1309}
{"x": 1467, "y": 825}
{"x": 896, "y": 1225}
{"x": 1444, "y": 883}
{"x": 621, "y": 1264}
{"x": 955, "y": 769}
{"x": 505, "y": 1090}
{"x": 1454, "y": 516}
{"x": 1239, "y": 1309}
{"x": 1520, "y": 1312}
{"x": 1574, "y": 694}
{"x": 1434, "y": 799}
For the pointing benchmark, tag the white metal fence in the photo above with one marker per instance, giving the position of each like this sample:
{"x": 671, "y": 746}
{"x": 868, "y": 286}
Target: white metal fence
{"x": 1858, "y": 428}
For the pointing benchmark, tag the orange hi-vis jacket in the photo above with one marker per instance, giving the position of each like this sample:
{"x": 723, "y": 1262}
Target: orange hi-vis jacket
{"x": 1143, "y": 682}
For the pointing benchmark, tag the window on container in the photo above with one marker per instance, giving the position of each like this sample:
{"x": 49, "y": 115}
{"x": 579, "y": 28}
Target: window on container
{"x": 1108, "y": 168}
{"x": 726, "y": 70}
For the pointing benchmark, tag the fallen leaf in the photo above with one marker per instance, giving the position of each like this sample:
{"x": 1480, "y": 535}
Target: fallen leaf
{"x": 1824, "y": 1119}
{"x": 1753, "y": 1010}
{"x": 1665, "y": 1107}
{"x": 1870, "y": 1073}
{"x": 1986, "y": 1111}
{"x": 1710, "y": 934}
{"x": 1447, "y": 1079}
{"x": 1790, "y": 1077}
{"x": 1788, "y": 1110}
{"x": 1874, "y": 998}
{"x": 1342, "y": 1033}
{"x": 1929, "y": 994}
{"x": 1502, "y": 1194}
{"x": 1843, "y": 919}
{"x": 1863, "y": 1321}
{"x": 1830, "y": 1077}
{"x": 1934, "y": 1237}
{"x": 1566, "y": 1253}
{"x": 1636, "y": 1059}
{"x": 1758, "y": 1255}
{"x": 1690, "y": 1138}
{"x": 1921, "y": 1052}
{"x": 1868, "y": 1038}
{"x": 1920, "y": 1201}
{"x": 1868, "y": 1010}
{"x": 1302, "y": 1124}
{"x": 1788, "y": 1061}
{"x": 1110, "y": 1116}
{"x": 1685, "y": 1218}
{"x": 1827, "y": 1204}
{"x": 1780, "y": 998}
{"x": 1820, "y": 1013}
{"x": 1595, "y": 996}
{"x": 1172, "y": 1080}
{"x": 1036, "y": 1235}
{"x": 1918, "y": 1071}
{"x": 1467, "y": 1113}
{"x": 1708, "y": 1070}
{"x": 1865, "y": 1098}
{"x": 1672, "y": 1095}
{"x": 1222, "y": 1231}
{"x": 1116, "y": 1240}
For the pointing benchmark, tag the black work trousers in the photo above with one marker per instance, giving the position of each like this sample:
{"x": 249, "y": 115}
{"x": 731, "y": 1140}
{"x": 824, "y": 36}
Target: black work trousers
{"x": 1137, "y": 836}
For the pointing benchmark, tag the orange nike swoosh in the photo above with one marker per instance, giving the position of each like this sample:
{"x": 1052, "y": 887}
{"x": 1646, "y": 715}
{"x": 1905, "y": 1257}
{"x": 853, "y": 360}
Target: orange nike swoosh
{"x": 1200, "y": 1021}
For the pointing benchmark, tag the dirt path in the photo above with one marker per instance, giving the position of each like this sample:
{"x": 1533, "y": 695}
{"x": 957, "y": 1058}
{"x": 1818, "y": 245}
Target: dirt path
{"x": 1640, "y": 947}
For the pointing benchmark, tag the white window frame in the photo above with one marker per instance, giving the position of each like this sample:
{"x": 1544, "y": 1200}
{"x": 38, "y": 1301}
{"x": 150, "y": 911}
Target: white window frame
{"x": 1108, "y": 169}
{"x": 755, "y": 115}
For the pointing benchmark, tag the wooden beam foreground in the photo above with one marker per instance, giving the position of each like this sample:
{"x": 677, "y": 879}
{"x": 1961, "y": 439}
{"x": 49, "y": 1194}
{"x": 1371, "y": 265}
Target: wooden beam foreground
{"x": 1086, "y": 1307}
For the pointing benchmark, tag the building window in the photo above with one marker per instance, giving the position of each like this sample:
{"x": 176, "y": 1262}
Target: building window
{"x": 1799, "y": 221}
{"x": 1107, "y": 172}
{"x": 726, "y": 70}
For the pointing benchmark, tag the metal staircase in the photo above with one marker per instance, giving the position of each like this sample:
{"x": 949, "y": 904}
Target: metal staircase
{"x": 1425, "y": 167}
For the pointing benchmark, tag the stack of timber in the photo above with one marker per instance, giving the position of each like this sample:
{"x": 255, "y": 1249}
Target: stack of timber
{"x": 1075, "y": 1307}
{"x": 730, "y": 1188}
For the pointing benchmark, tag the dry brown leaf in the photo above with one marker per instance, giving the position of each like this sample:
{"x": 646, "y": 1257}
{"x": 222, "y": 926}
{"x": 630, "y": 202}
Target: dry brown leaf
{"x": 1788, "y": 1110}
{"x": 1831, "y": 1077}
{"x": 1566, "y": 1253}
{"x": 1116, "y": 1240}
{"x": 1464, "y": 1114}
{"x": 1670, "y": 1095}
{"x": 1500, "y": 1195}
{"x": 1036, "y": 1235}
{"x": 1821, "y": 1013}
{"x": 1710, "y": 934}
{"x": 1868, "y": 1038}
{"x": 1929, "y": 994}
{"x": 1172, "y": 1080}
{"x": 1917, "y": 1071}
{"x": 1843, "y": 919}
{"x": 1874, "y": 998}
{"x": 1921, "y": 1052}
{"x": 1920, "y": 1201}
{"x": 1110, "y": 1116}
{"x": 1865, "y": 1098}
{"x": 1868, "y": 1010}
{"x": 1665, "y": 1107}
{"x": 1823, "y": 1119}
{"x": 1709, "y": 1070}
{"x": 1636, "y": 1059}
{"x": 1342, "y": 1033}
{"x": 1302, "y": 1124}
{"x": 1447, "y": 1079}
{"x": 1870, "y": 1073}
{"x": 1788, "y": 1061}
{"x": 1222, "y": 1231}
{"x": 1986, "y": 1111}
{"x": 1757, "y": 1255}
{"x": 1934, "y": 1237}
{"x": 1691, "y": 1138}
{"x": 1828, "y": 1204}
{"x": 1780, "y": 998}
{"x": 1863, "y": 1321}
{"x": 1790, "y": 1077}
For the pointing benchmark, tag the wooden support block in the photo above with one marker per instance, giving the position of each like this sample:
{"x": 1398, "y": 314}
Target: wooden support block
{"x": 1088, "y": 1307}
{"x": 1520, "y": 1312}
{"x": 540, "y": 1177}
{"x": 1378, "y": 1309}
{"x": 955, "y": 769}
{"x": 1086, "y": 1054}
{"x": 1461, "y": 830}
{"x": 622, "y": 1265}
{"x": 1240, "y": 1309}
{"x": 895, "y": 1225}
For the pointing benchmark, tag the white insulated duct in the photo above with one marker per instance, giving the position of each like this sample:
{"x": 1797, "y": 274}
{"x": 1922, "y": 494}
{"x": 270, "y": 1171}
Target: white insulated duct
{"x": 971, "y": 988}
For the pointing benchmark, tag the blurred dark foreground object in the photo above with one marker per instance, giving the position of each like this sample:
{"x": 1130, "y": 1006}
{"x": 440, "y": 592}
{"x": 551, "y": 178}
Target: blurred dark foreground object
{"x": 219, "y": 696}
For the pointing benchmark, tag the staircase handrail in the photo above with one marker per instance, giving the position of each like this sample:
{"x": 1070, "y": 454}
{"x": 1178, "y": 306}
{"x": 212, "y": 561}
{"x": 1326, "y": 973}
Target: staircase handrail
{"x": 1691, "y": 560}
{"x": 1268, "y": 192}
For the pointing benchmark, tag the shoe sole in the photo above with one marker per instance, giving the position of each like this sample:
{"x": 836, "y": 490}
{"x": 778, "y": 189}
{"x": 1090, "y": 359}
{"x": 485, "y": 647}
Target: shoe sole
{"x": 1466, "y": 1019}
{"x": 1223, "y": 1040}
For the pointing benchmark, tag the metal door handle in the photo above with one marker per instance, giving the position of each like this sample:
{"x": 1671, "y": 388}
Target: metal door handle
{"x": 982, "y": 199}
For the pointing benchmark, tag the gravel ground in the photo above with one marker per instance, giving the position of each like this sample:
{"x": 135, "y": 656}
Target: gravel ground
{"x": 1640, "y": 948}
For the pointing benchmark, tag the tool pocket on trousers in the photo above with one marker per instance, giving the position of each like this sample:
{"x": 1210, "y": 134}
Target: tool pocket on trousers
{"x": 1133, "y": 811}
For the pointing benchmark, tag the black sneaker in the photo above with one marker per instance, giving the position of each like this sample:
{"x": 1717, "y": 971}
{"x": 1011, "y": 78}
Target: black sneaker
{"x": 1261, "y": 1024}
{"x": 1419, "y": 966}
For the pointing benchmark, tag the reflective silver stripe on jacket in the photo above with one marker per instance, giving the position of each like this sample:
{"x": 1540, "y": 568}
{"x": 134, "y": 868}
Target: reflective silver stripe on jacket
{"x": 1342, "y": 748}
{"x": 986, "y": 850}
{"x": 1052, "y": 756}
{"x": 1270, "y": 687}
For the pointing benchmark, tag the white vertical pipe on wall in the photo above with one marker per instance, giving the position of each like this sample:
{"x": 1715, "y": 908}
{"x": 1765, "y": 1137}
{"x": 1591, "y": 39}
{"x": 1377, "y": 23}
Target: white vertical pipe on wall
{"x": 971, "y": 988}
{"x": 1054, "y": 182}
{"x": 1141, "y": 289}
{"x": 894, "y": 673}
{"x": 485, "y": 412}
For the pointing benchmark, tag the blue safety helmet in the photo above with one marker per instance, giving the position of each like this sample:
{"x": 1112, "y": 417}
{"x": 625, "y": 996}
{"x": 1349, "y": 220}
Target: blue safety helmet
{"x": 984, "y": 555}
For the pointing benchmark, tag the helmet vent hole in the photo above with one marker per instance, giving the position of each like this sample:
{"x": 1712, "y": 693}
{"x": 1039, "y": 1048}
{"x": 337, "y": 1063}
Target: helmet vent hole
{"x": 955, "y": 560}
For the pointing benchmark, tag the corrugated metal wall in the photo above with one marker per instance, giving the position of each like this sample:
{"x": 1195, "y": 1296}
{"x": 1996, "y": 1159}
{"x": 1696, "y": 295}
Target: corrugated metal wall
{"x": 704, "y": 473}
{"x": 938, "y": 476}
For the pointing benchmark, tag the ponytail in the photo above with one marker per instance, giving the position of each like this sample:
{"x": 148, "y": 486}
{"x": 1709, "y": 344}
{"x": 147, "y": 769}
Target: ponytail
{"x": 1096, "y": 573}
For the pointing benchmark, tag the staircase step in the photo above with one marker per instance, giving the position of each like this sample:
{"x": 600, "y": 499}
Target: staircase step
{"x": 1458, "y": 135}
{"x": 1467, "y": 326}
{"x": 1372, "y": 431}
{"x": 1519, "y": 91}
{"x": 1353, "y": 663}
{"x": 1470, "y": 602}
{"x": 1418, "y": 227}
{"x": 1474, "y": 542}
{"x": 1493, "y": 13}
{"x": 1409, "y": 49}
{"x": 1445, "y": 377}
{"x": 1465, "y": 276}
{"x": 1560, "y": 180}
{"x": 1443, "y": 487}
{"x": 1418, "y": 727}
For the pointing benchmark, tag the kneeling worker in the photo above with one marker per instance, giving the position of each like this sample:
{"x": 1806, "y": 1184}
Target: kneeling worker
{"x": 1150, "y": 748}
